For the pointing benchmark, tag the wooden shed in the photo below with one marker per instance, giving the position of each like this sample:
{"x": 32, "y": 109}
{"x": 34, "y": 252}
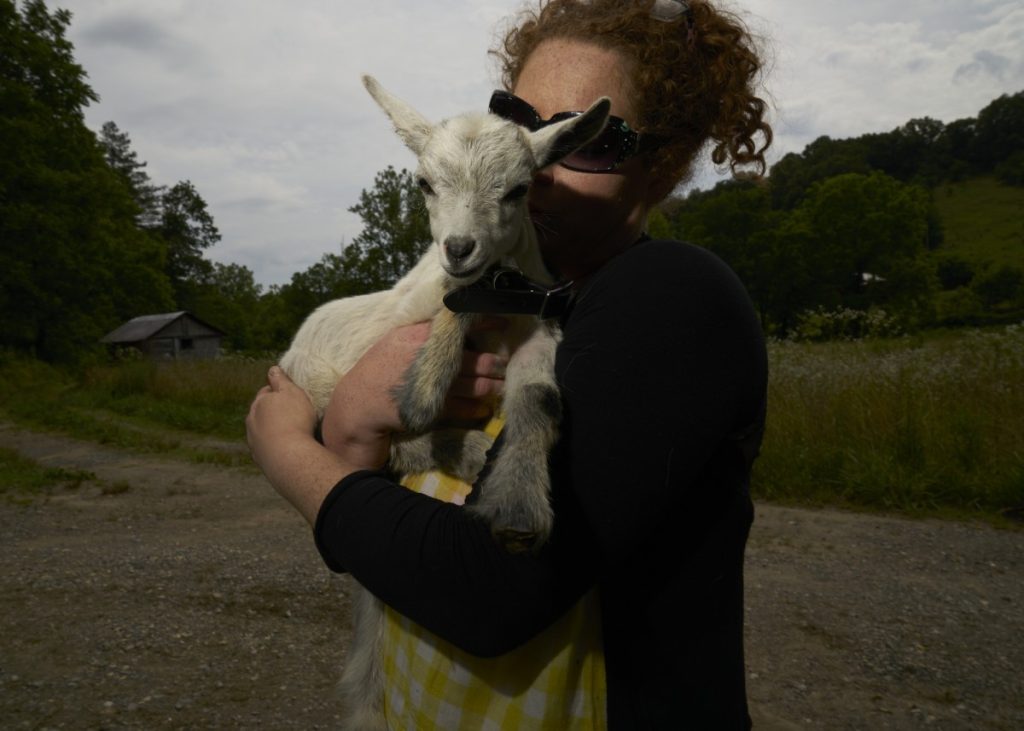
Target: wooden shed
{"x": 170, "y": 335}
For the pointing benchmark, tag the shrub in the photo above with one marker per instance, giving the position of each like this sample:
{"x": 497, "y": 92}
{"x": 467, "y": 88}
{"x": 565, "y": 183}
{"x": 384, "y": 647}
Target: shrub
{"x": 845, "y": 324}
{"x": 954, "y": 272}
{"x": 1000, "y": 286}
{"x": 1011, "y": 170}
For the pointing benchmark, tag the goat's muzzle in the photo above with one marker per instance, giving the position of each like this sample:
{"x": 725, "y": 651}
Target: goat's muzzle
{"x": 458, "y": 248}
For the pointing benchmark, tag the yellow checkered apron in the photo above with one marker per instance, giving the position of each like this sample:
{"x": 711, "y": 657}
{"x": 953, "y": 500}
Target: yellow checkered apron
{"x": 555, "y": 681}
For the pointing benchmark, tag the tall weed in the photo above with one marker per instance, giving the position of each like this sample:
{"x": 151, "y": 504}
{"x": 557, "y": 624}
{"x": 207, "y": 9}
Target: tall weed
{"x": 202, "y": 397}
{"x": 914, "y": 424}
{"x": 909, "y": 424}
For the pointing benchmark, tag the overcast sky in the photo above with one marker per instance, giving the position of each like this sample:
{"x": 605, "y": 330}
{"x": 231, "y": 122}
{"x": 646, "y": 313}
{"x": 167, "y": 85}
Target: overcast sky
{"x": 260, "y": 105}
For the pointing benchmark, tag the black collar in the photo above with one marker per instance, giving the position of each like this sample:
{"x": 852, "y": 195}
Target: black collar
{"x": 506, "y": 291}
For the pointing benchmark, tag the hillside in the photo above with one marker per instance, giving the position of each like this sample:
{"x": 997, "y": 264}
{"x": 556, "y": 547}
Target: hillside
{"x": 983, "y": 221}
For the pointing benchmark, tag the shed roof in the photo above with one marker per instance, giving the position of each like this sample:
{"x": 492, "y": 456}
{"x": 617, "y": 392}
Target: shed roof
{"x": 146, "y": 326}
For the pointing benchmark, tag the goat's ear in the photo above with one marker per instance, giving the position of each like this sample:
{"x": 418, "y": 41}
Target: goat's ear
{"x": 556, "y": 141}
{"x": 409, "y": 124}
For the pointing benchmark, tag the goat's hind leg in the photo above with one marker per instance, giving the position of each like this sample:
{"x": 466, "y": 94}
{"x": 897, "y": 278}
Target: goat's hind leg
{"x": 515, "y": 494}
{"x": 361, "y": 688}
{"x": 421, "y": 395}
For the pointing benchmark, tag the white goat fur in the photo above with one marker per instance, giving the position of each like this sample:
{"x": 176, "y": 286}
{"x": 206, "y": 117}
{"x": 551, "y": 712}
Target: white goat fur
{"x": 477, "y": 168}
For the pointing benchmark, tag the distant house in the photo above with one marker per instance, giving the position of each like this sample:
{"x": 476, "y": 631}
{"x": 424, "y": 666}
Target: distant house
{"x": 170, "y": 335}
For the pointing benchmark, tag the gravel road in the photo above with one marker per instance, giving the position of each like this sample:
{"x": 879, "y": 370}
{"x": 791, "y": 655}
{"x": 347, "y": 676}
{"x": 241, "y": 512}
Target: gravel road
{"x": 174, "y": 595}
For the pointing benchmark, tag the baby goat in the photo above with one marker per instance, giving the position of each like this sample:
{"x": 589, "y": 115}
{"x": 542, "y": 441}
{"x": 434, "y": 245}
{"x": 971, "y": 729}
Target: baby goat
{"x": 475, "y": 171}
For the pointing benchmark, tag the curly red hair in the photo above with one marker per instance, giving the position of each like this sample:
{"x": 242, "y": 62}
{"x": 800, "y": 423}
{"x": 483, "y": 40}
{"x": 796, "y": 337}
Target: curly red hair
{"x": 694, "y": 78}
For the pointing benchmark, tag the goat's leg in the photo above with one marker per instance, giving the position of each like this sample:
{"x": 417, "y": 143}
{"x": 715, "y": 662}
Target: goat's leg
{"x": 514, "y": 497}
{"x": 361, "y": 688}
{"x": 421, "y": 395}
{"x": 457, "y": 452}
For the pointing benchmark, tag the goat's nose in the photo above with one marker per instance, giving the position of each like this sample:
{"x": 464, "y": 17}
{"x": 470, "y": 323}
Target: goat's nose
{"x": 459, "y": 247}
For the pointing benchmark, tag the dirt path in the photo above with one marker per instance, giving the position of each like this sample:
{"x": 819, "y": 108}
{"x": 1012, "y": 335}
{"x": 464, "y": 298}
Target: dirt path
{"x": 192, "y": 597}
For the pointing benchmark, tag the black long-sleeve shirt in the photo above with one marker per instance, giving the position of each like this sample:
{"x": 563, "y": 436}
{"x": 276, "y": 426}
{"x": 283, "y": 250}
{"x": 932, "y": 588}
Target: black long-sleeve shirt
{"x": 662, "y": 372}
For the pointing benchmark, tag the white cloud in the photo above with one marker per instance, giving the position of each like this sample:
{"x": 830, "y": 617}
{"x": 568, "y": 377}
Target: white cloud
{"x": 844, "y": 69}
{"x": 260, "y": 105}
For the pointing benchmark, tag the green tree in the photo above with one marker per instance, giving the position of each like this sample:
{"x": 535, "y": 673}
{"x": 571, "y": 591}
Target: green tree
{"x": 1011, "y": 170}
{"x": 1000, "y": 130}
{"x": 792, "y": 281}
{"x": 999, "y": 287}
{"x": 228, "y": 297}
{"x": 325, "y": 280}
{"x": 770, "y": 250}
{"x": 273, "y": 326}
{"x": 958, "y": 138}
{"x": 917, "y": 151}
{"x": 735, "y": 220}
{"x": 120, "y": 156}
{"x": 953, "y": 272}
{"x": 73, "y": 264}
{"x": 187, "y": 230}
{"x": 869, "y": 234}
{"x": 793, "y": 175}
{"x": 658, "y": 224}
{"x": 396, "y": 232}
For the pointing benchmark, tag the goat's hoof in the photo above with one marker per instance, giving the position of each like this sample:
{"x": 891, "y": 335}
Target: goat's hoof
{"x": 518, "y": 541}
{"x": 517, "y": 530}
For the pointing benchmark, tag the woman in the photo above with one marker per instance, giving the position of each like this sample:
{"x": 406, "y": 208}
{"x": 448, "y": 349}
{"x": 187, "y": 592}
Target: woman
{"x": 662, "y": 373}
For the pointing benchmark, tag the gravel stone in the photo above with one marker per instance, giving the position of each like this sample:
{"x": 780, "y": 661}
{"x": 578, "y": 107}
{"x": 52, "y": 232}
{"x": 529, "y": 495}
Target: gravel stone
{"x": 196, "y": 599}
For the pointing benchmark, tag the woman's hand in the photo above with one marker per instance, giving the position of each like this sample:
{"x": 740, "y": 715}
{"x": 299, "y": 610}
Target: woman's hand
{"x": 359, "y": 419}
{"x": 479, "y": 384}
{"x": 280, "y": 413}
{"x": 279, "y": 429}
{"x": 362, "y": 414}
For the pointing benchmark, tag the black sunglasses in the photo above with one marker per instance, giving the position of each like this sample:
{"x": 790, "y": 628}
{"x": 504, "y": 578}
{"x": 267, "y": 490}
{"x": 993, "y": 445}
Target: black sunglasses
{"x": 614, "y": 145}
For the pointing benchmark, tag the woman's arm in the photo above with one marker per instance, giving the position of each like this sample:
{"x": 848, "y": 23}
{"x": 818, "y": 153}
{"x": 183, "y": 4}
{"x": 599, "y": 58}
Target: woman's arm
{"x": 659, "y": 361}
{"x": 360, "y": 418}
{"x": 279, "y": 429}
{"x": 357, "y": 434}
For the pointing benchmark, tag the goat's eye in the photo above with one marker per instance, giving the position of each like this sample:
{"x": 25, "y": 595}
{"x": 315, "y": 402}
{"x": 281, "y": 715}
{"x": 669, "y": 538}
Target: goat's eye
{"x": 516, "y": 193}
{"x": 425, "y": 186}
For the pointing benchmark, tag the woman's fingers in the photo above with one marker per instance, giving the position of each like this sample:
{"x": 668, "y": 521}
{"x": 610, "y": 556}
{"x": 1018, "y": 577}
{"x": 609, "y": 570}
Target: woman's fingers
{"x": 481, "y": 380}
{"x": 277, "y": 379}
{"x": 489, "y": 365}
{"x": 491, "y": 322}
{"x": 476, "y": 387}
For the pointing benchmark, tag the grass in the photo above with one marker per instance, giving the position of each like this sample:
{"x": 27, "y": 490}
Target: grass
{"x": 178, "y": 408}
{"x": 923, "y": 425}
{"x": 983, "y": 221}
{"x": 22, "y": 478}
{"x": 203, "y": 397}
{"x": 914, "y": 425}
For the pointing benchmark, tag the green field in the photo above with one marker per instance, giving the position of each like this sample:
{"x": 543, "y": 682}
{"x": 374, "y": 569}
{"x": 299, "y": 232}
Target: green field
{"x": 917, "y": 425}
{"x": 924, "y": 425}
{"x": 983, "y": 221}
{"x": 192, "y": 410}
